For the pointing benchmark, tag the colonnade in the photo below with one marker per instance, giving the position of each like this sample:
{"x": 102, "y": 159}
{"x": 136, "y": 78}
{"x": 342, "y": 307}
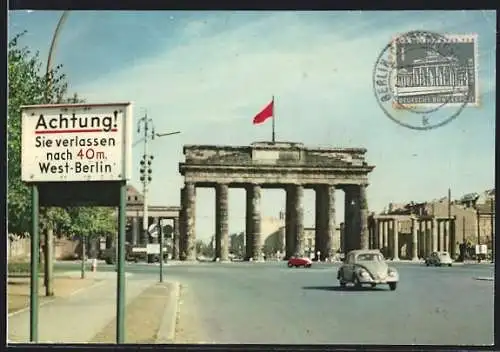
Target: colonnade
{"x": 428, "y": 234}
{"x": 293, "y": 241}
{"x": 138, "y": 237}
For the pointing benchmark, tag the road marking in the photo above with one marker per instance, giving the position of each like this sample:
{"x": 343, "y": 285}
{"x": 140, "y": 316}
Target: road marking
{"x": 484, "y": 278}
{"x": 28, "y": 308}
{"x": 81, "y": 289}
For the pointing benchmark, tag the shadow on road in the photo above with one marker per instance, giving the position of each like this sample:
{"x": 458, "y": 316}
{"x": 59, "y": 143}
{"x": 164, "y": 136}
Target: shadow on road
{"x": 343, "y": 289}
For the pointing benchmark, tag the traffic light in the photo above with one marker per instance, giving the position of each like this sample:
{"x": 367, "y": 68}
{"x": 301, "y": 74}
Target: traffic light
{"x": 145, "y": 168}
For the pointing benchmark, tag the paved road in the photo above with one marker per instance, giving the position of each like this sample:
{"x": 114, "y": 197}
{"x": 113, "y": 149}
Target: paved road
{"x": 270, "y": 303}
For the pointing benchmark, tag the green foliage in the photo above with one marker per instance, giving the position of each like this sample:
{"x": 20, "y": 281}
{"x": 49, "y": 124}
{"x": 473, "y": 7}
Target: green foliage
{"x": 204, "y": 249}
{"x": 29, "y": 85}
{"x": 93, "y": 221}
{"x": 21, "y": 268}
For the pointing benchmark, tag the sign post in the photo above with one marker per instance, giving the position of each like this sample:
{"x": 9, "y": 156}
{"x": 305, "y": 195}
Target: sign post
{"x": 77, "y": 155}
{"x": 160, "y": 234}
{"x": 35, "y": 242}
{"x": 120, "y": 287}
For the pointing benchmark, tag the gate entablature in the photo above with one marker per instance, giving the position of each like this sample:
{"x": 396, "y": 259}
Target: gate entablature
{"x": 273, "y": 165}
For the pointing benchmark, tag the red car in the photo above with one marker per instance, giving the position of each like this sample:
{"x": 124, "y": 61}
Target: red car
{"x": 299, "y": 261}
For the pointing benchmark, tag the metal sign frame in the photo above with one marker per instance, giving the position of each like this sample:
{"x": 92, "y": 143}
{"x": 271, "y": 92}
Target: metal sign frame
{"x": 91, "y": 192}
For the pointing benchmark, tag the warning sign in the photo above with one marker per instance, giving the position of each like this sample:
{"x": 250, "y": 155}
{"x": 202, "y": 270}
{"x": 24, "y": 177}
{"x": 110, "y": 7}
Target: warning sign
{"x": 76, "y": 142}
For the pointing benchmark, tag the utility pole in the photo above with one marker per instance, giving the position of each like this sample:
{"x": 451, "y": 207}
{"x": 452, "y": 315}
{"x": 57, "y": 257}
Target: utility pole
{"x": 145, "y": 169}
{"x": 146, "y": 172}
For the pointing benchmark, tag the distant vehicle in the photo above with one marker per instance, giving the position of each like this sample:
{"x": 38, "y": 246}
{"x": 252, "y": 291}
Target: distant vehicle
{"x": 367, "y": 267}
{"x": 439, "y": 259}
{"x": 299, "y": 261}
{"x": 132, "y": 254}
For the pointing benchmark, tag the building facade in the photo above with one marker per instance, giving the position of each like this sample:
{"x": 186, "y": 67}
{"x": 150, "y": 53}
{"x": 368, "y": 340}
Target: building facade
{"x": 446, "y": 225}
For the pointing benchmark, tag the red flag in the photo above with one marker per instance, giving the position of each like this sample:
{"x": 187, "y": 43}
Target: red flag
{"x": 266, "y": 113}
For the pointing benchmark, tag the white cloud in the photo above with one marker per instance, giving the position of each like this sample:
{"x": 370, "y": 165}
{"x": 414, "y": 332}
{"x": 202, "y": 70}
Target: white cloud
{"x": 213, "y": 81}
{"x": 234, "y": 72}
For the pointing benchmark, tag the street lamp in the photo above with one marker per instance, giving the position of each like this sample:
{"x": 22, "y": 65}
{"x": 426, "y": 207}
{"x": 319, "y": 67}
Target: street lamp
{"x": 156, "y": 135}
{"x": 53, "y": 44}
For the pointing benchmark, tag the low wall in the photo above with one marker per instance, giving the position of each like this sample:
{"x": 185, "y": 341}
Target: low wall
{"x": 18, "y": 248}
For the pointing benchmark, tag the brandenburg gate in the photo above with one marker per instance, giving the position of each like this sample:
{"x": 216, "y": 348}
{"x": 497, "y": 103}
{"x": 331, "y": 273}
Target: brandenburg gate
{"x": 289, "y": 166}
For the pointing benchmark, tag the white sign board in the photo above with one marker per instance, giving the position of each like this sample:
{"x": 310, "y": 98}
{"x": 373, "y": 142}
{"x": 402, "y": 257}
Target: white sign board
{"x": 76, "y": 142}
{"x": 153, "y": 230}
{"x": 481, "y": 249}
{"x": 153, "y": 248}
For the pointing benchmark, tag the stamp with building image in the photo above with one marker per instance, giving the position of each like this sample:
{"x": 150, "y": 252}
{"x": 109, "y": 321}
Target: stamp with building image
{"x": 436, "y": 72}
{"x": 423, "y": 80}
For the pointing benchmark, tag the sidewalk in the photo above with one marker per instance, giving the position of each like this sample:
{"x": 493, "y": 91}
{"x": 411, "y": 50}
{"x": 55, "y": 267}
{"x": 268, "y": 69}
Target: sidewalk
{"x": 78, "y": 318}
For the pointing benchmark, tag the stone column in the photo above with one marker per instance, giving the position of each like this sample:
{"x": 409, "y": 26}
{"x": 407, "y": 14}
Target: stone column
{"x": 426, "y": 240}
{"x": 428, "y": 237}
{"x": 221, "y": 218}
{"x": 248, "y": 226}
{"x": 446, "y": 235}
{"x": 175, "y": 240}
{"x": 441, "y": 235}
{"x": 385, "y": 224}
{"x": 135, "y": 230}
{"x": 363, "y": 213}
{"x": 253, "y": 199}
{"x": 453, "y": 238}
{"x": 182, "y": 227}
{"x": 190, "y": 206}
{"x": 380, "y": 231}
{"x": 319, "y": 222}
{"x": 376, "y": 235}
{"x": 298, "y": 210}
{"x": 434, "y": 235}
{"x": 326, "y": 221}
{"x": 289, "y": 222}
{"x": 395, "y": 232}
{"x": 342, "y": 237}
{"x": 414, "y": 242}
{"x": 421, "y": 239}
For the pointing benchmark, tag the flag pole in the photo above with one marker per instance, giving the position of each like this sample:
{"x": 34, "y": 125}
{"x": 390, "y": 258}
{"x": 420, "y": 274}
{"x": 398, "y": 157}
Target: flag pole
{"x": 274, "y": 133}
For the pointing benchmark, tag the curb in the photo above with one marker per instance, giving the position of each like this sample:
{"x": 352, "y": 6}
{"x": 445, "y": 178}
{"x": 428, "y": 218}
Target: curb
{"x": 484, "y": 278}
{"x": 98, "y": 275}
{"x": 166, "y": 333}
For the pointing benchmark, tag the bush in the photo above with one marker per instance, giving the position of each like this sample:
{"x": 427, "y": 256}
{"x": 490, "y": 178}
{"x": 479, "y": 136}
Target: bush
{"x": 21, "y": 268}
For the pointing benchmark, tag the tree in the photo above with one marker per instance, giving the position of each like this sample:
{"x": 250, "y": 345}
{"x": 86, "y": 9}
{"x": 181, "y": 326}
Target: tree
{"x": 204, "y": 249}
{"x": 27, "y": 85}
{"x": 89, "y": 223}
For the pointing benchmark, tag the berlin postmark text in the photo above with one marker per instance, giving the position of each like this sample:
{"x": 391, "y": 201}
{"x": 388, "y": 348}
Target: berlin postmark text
{"x": 423, "y": 80}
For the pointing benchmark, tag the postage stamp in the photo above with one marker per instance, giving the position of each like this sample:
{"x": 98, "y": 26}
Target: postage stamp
{"x": 428, "y": 75}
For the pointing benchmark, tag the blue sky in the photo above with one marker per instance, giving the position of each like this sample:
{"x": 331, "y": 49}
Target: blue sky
{"x": 208, "y": 73}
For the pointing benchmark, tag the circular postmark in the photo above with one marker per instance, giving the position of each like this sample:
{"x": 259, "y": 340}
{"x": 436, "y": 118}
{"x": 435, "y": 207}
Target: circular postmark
{"x": 419, "y": 81}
